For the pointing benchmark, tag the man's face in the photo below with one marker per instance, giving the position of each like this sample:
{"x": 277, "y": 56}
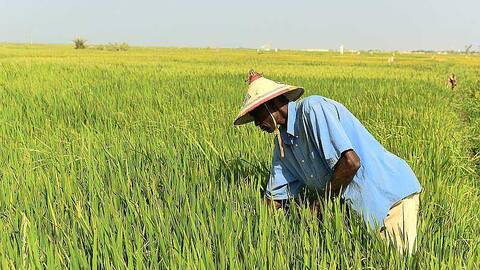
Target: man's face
{"x": 263, "y": 120}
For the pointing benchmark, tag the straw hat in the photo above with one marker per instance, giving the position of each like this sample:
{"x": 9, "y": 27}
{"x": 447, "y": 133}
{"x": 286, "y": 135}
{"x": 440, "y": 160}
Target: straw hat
{"x": 261, "y": 90}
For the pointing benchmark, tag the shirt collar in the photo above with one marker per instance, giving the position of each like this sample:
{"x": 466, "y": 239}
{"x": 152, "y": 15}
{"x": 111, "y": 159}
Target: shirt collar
{"x": 291, "y": 118}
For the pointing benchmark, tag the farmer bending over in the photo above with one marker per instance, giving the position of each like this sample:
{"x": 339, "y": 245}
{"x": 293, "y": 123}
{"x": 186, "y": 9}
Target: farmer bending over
{"x": 320, "y": 144}
{"x": 452, "y": 81}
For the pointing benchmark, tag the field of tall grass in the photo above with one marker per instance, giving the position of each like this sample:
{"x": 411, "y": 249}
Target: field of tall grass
{"x": 116, "y": 160}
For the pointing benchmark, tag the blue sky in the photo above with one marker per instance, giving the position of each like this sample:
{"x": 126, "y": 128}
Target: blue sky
{"x": 368, "y": 24}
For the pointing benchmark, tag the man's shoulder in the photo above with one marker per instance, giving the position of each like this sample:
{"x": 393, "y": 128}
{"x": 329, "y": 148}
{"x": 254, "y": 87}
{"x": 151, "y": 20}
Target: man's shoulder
{"x": 311, "y": 102}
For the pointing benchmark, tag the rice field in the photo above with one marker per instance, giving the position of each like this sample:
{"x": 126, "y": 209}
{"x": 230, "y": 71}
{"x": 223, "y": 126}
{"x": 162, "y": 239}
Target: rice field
{"x": 129, "y": 160}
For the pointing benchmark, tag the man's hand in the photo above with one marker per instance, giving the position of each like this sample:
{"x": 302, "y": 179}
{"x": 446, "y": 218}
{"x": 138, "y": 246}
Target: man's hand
{"x": 343, "y": 173}
{"x": 276, "y": 204}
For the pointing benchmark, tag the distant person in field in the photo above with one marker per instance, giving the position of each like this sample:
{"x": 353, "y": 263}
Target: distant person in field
{"x": 321, "y": 145}
{"x": 452, "y": 81}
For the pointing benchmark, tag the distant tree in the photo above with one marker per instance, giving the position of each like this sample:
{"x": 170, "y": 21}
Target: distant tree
{"x": 113, "y": 47}
{"x": 468, "y": 48}
{"x": 121, "y": 46}
{"x": 80, "y": 43}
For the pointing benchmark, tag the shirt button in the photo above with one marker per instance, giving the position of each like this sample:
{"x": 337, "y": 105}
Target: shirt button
{"x": 311, "y": 175}
{"x": 296, "y": 144}
{"x": 303, "y": 161}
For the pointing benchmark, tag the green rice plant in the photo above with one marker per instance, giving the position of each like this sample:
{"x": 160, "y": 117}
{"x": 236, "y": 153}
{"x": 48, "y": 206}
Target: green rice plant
{"x": 114, "y": 161}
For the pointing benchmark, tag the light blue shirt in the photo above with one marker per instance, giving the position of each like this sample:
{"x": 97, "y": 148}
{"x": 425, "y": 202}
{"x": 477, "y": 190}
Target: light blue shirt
{"x": 318, "y": 131}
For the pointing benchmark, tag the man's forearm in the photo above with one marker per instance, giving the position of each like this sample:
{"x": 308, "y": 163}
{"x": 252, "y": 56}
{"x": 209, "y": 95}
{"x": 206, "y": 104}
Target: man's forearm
{"x": 344, "y": 171}
{"x": 338, "y": 183}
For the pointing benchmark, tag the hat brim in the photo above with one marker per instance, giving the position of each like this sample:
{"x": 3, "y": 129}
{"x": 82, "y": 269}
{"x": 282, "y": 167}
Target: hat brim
{"x": 292, "y": 93}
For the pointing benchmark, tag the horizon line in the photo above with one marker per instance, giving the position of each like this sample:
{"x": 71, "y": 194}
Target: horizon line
{"x": 260, "y": 48}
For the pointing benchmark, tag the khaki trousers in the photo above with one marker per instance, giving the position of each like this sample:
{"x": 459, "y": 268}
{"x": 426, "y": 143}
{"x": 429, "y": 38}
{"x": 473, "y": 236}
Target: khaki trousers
{"x": 401, "y": 224}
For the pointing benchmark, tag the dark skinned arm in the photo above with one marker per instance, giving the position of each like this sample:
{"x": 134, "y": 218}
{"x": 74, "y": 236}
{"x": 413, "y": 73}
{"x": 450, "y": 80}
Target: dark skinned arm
{"x": 343, "y": 173}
